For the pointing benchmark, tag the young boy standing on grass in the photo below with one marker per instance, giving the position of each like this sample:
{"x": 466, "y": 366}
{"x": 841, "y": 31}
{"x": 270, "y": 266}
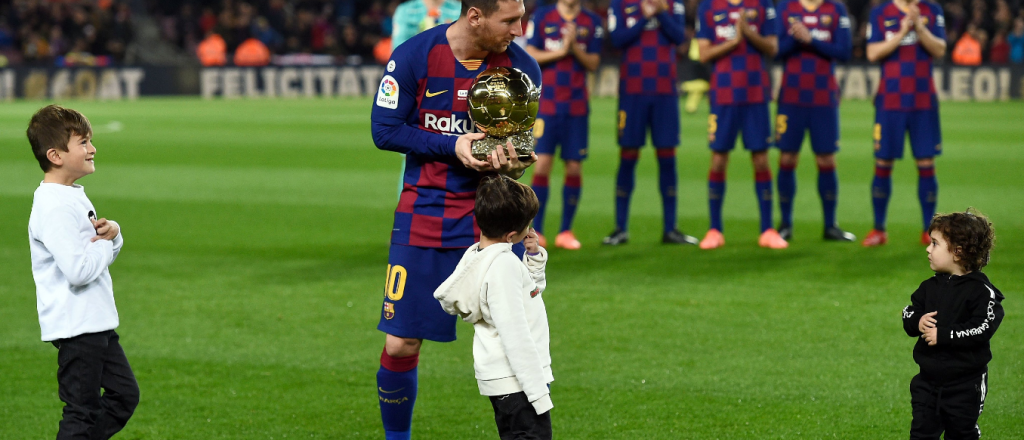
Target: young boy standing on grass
{"x": 71, "y": 248}
{"x": 954, "y": 314}
{"x": 501, "y": 296}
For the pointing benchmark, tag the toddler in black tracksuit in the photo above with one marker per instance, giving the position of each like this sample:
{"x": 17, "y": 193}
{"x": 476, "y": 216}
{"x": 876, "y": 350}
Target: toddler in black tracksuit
{"x": 954, "y": 314}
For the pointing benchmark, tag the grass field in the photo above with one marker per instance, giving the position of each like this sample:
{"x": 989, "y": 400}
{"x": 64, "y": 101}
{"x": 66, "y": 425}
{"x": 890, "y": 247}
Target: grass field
{"x": 256, "y": 236}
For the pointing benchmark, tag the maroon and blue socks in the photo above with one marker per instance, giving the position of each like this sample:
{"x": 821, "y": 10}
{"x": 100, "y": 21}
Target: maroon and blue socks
{"x": 540, "y": 186}
{"x": 396, "y": 389}
{"x": 570, "y": 200}
{"x": 927, "y": 192}
{"x": 763, "y": 188}
{"x": 668, "y": 181}
{"x": 881, "y": 191}
{"x": 716, "y": 195}
{"x": 786, "y": 184}
{"x": 828, "y": 191}
{"x": 624, "y": 183}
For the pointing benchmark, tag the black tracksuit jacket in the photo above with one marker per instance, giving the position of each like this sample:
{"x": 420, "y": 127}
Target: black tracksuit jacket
{"x": 969, "y": 312}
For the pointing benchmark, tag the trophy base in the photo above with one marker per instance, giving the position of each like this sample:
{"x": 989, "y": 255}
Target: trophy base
{"x": 522, "y": 141}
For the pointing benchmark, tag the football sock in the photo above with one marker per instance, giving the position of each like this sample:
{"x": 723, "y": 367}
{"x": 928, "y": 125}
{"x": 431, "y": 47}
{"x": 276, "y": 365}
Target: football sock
{"x": 716, "y": 195}
{"x": 828, "y": 190}
{"x": 396, "y": 390}
{"x": 570, "y": 199}
{"x": 628, "y": 157}
{"x": 667, "y": 183}
{"x": 881, "y": 189}
{"x": 927, "y": 192}
{"x": 787, "y": 190}
{"x": 540, "y": 186}
{"x": 763, "y": 188}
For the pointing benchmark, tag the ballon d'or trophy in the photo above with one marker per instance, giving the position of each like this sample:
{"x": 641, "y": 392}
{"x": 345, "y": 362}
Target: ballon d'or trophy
{"x": 503, "y": 104}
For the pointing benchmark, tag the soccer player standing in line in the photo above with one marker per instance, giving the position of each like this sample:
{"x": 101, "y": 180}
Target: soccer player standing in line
{"x": 566, "y": 40}
{"x": 421, "y": 111}
{"x": 735, "y": 35}
{"x": 813, "y": 35}
{"x": 904, "y": 35}
{"x": 647, "y": 31}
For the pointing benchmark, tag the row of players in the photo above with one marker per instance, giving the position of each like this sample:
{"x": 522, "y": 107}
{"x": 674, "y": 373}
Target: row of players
{"x": 428, "y": 78}
{"x": 807, "y": 36}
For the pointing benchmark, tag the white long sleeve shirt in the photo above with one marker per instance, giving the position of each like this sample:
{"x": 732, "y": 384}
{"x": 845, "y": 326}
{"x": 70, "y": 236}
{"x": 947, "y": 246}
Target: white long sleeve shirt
{"x": 74, "y": 294}
{"x": 501, "y": 296}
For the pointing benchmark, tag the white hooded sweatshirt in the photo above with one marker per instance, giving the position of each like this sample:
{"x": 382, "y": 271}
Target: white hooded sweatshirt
{"x": 501, "y": 296}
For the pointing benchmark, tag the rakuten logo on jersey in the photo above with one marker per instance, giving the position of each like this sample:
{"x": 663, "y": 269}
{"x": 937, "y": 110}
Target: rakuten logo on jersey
{"x": 821, "y": 35}
{"x": 446, "y": 124}
{"x": 725, "y": 32}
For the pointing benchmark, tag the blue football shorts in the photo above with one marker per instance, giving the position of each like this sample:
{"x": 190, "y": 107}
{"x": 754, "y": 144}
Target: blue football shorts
{"x": 726, "y": 121}
{"x": 638, "y": 112}
{"x": 571, "y": 132}
{"x": 892, "y": 126}
{"x": 410, "y": 310}
{"x": 792, "y": 121}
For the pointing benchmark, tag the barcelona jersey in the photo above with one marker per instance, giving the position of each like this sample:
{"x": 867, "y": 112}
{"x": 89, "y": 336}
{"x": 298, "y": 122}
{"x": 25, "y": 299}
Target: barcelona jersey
{"x": 740, "y": 77}
{"x": 649, "y": 46}
{"x": 906, "y": 83}
{"x": 565, "y": 80}
{"x": 420, "y": 109}
{"x": 808, "y": 78}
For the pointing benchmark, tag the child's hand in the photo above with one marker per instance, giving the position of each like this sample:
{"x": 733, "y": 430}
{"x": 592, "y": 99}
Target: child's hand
{"x": 532, "y": 242}
{"x": 931, "y": 336}
{"x": 927, "y": 321}
{"x": 105, "y": 230}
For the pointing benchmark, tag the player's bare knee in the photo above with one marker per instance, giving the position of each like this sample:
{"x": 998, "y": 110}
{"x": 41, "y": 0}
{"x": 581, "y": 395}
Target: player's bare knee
{"x": 825, "y": 161}
{"x": 789, "y": 160}
{"x": 573, "y": 168}
{"x": 926, "y": 162}
{"x": 884, "y": 163}
{"x": 397, "y": 346}
{"x": 719, "y": 161}
{"x": 760, "y": 160}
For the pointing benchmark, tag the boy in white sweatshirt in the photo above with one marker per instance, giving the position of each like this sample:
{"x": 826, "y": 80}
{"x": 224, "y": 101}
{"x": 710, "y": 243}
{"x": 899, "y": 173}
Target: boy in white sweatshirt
{"x": 501, "y": 296}
{"x": 71, "y": 249}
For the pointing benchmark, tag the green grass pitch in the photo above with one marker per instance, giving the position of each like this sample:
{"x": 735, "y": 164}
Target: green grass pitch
{"x": 256, "y": 236}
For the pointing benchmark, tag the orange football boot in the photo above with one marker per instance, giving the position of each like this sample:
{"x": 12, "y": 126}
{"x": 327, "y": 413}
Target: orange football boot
{"x": 712, "y": 240}
{"x": 772, "y": 240}
{"x": 926, "y": 239}
{"x": 566, "y": 240}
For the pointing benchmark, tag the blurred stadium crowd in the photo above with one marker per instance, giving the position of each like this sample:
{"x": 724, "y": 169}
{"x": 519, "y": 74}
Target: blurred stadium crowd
{"x": 100, "y": 32}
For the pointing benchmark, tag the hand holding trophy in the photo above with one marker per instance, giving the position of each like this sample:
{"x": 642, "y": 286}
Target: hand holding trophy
{"x": 503, "y": 104}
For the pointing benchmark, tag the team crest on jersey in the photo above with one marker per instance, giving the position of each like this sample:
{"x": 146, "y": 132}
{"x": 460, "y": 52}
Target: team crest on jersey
{"x": 387, "y": 95}
{"x": 389, "y": 310}
{"x": 752, "y": 14}
{"x": 924, "y": 20}
{"x": 826, "y": 20}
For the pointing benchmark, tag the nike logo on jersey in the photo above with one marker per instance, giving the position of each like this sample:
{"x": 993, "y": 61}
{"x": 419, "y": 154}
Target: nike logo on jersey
{"x": 550, "y": 29}
{"x": 631, "y": 9}
{"x": 431, "y": 95}
{"x": 719, "y": 17}
{"x": 890, "y": 23}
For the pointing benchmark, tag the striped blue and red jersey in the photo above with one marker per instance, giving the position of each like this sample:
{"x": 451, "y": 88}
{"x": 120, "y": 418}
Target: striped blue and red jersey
{"x": 648, "y": 46}
{"x": 420, "y": 110}
{"x": 740, "y": 77}
{"x": 565, "y": 80}
{"x": 906, "y": 82}
{"x": 808, "y": 75}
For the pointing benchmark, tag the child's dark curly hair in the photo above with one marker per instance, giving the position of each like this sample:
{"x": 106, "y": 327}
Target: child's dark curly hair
{"x": 504, "y": 205}
{"x": 970, "y": 236}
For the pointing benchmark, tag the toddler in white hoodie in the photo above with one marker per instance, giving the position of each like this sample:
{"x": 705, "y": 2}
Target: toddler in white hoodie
{"x": 501, "y": 296}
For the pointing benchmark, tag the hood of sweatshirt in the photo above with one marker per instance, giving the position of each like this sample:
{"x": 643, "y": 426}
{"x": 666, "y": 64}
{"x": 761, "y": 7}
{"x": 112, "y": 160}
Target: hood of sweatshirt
{"x": 956, "y": 280}
{"x": 460, "y": 293}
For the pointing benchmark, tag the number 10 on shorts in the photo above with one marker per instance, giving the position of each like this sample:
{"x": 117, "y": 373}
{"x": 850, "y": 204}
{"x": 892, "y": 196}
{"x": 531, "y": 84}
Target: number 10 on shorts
{"x": 395, "y": 286}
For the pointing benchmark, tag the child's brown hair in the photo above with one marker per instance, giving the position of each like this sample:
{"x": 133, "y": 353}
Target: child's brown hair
{"x": 504, "y": 205}
{"x": 52, "y": 127}
{"x": 970, "y": 236}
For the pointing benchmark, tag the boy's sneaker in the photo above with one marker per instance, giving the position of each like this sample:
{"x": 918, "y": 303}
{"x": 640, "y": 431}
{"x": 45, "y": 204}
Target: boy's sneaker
{"x": 712, "y": 240}
{"x": 676, "y": 237}
{"x": 875, "y": 238}
{"x": 772, "y": 240}
{"x": 616, "y": 238}
{"x": 785, "y": 231}
{"x": 925, "y": 238}
{"x": 833, "y": 233}
{"x": 543, "y": 242}
{"x": 566, "y": 240}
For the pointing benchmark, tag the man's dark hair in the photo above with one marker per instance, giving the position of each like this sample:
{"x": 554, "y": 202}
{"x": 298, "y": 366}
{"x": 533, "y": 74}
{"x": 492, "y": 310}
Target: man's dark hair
{"x": 487, "y": 7}
{"x": 52, "y": 127}
{"x": 970, "y": 236}
{"x": 504, "y": 205}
